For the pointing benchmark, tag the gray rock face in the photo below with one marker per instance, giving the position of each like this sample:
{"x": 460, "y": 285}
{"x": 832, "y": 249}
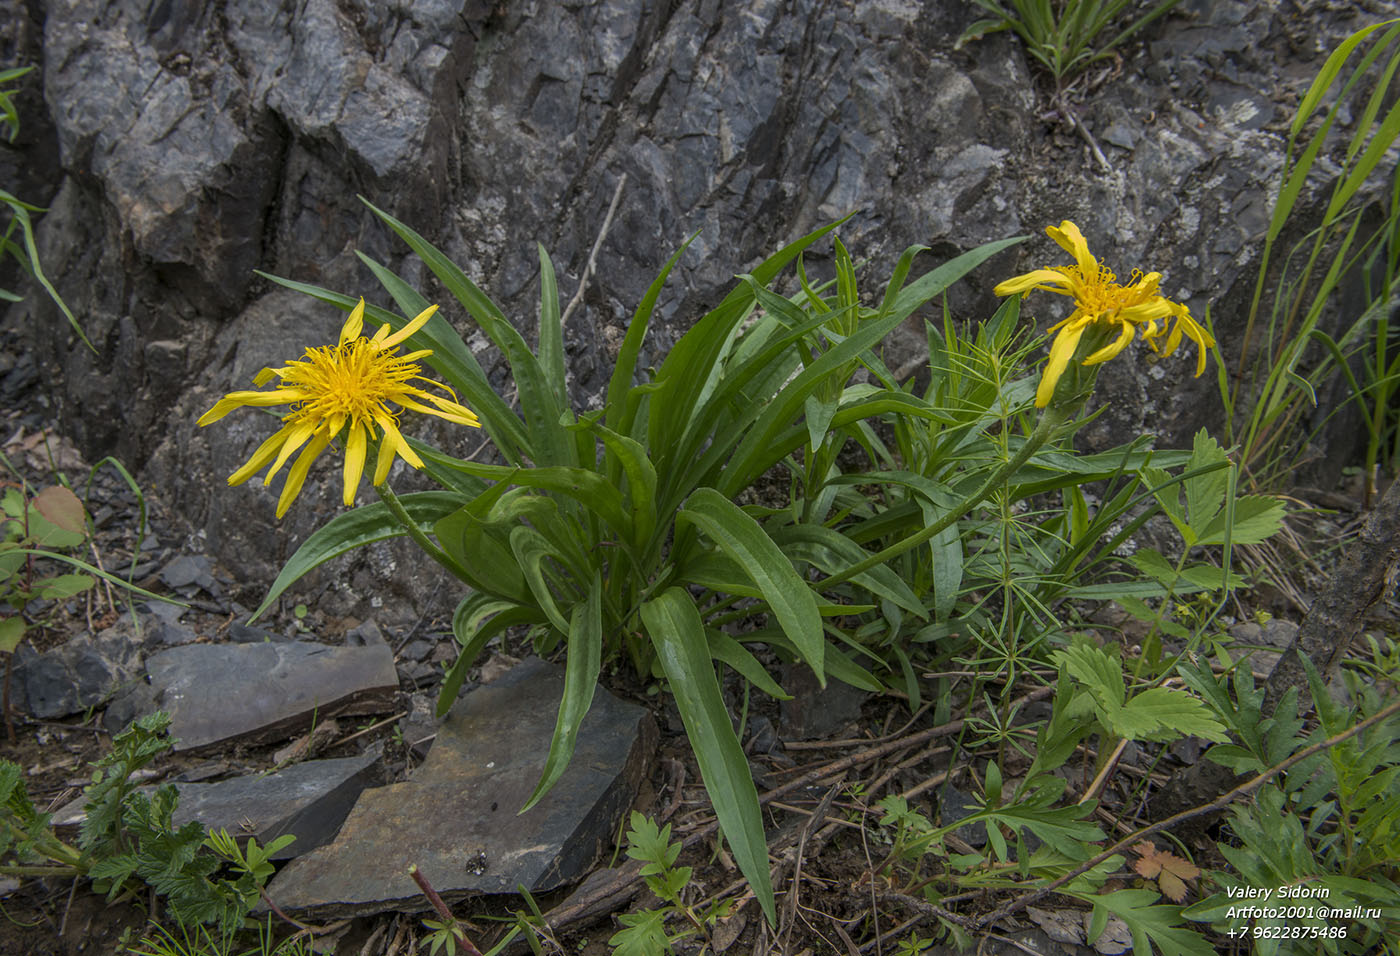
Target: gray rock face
{"x": 457, "y": 818}
{"x": 219, "y": 692}
{"x": 200, "y": 142}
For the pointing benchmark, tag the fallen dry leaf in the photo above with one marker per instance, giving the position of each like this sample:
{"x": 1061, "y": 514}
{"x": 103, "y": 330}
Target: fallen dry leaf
{"x": 1063, "y": 926}
{"x": 1170, "y": 871}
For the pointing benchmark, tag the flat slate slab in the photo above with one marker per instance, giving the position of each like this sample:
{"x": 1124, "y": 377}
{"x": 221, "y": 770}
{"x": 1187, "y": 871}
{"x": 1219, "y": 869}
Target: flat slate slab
{"x": 309, "y": 800}
{"x": 457, "y": 818}
{"x": 265, "y": 691}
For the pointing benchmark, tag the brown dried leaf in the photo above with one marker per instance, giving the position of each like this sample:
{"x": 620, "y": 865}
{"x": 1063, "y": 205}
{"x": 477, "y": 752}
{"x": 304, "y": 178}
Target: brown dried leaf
{"x": 62, "y": 507}
{"x": 1170, "y": 871}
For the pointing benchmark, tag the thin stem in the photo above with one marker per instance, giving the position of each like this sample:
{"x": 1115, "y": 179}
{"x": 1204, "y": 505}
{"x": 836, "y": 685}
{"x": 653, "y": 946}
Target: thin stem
{"x": 411, "y": 527}
{"x": 1050, "y": 421}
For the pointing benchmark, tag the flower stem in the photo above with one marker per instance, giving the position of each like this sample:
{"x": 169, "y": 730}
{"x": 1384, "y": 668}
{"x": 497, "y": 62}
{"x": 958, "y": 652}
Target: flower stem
{"x": 1050, "y": 421}
{"x": 411, "y": 527}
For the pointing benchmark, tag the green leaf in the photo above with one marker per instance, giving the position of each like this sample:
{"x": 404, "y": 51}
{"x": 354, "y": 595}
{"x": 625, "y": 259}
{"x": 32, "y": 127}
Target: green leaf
{"x": 641, "y": 482}
{"x": 744, "y": 540}
{"x": 1097, "y": 670}
{"x": 584, "y": 661}
{"x": 589, "y": 488}
{"x": 644, "y": 935}
{"x": 551, "y": 332}
{"x": 1149, "y": 924}
{"x": 472, "y": 636}
{"x": 1256, "y": 518}
{"x": 484, "y": 549}
{"x": 829, "y": 550}
{"x": 63, "y": 586}
{"x": 354, "y": 529}
{"x": 11, "y": 633}
{"x": 626, "y": 365}
{"x": 1161, "y": 713}
{"x": 548, "y": 443}
{"x": 1205, "y": 493}
{"x": 725, "y": 648}
{"x": 532, "y": 550}
{"x": 676, "y": 632}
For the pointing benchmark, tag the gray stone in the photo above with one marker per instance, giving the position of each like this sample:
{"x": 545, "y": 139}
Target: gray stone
{"x": 816, "y": 712}
{"x": 954, "y": 805}
{"x": 365, "y": 635}
{"x": 457, "y": 818}
{"x": 76, "y": 676}
{"x": 308, "y": 800}
{"x": 262, "y": 692}
{"x": 188, "y": 569}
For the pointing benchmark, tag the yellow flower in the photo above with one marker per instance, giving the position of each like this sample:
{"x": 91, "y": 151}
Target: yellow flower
{"x": 342, "y": 388}
{"x": 1109, "y": 313}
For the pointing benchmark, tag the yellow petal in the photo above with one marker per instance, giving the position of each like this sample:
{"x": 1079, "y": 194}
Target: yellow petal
{"x": 354, "y": 461}
{"x": 297, "y": 476}
{"x": 279, "y": 396}
{"x": 297, "y": 434}
{"x": 385, "y": 461}
{"x": 261, "y": 457}
{"x": 420, "y": 320}
{"x": 1155, "y": 308}
{"x": 1060, "y": 353}
{"x": 265, "y": 376}
{"x": 1072, "y": 241}
{"x": 1038, "y": 279}
{"x": 1112, "y": 348}
{"x": 354, "y": 323}
{"x": 451, "y": 411}
{"x": 401, "y": 447}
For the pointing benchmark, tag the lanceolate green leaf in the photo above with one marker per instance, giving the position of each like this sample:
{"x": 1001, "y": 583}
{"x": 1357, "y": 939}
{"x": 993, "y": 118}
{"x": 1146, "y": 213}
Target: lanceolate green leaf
{"x": 478, "y": 618}
{"x": 551, "y": 333}
{"x": 353, "y": 529}
{"x": 674, "y": 626}
{"x": 691, "y": 363}
{"x": 725, "y": 648}
{"x": 531, "y": 552}
{"x": 549, "y": 444}
{"x": 589, "y": 488}
{"x": 618, "y": 417}
{"x": 744, "y": 540}
{"x": 830, "y": 551}
{"x": 584, "y": 660}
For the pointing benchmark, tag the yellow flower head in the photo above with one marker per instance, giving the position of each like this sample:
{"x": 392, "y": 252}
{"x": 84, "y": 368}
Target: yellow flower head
{"x": 1109, "y": 313}
{"x": 342, "y": 388}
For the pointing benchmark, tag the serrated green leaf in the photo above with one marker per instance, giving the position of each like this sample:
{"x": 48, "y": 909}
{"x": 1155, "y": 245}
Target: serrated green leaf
{"x": 1162, "y": 713}
{"x": 1097, "y": 670}
{"x": 1257, "y": 518}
